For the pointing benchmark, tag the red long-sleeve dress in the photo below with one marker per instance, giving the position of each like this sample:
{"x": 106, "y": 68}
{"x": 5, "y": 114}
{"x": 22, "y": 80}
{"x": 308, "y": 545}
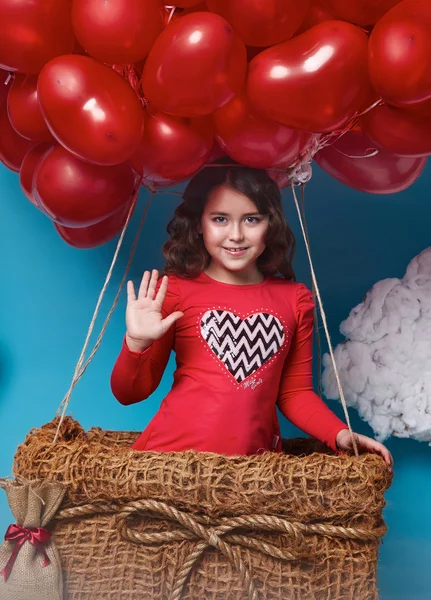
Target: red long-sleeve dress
{"x": 241, "y": 350}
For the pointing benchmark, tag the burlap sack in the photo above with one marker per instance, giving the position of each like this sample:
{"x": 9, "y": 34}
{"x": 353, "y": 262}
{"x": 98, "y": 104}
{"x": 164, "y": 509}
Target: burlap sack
{"x": 33, "y": 504}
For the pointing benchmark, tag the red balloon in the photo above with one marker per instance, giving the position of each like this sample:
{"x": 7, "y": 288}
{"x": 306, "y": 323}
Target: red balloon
{"x": 24, "y": 110}
{"x": 350, "y": 160}
{"x": 173, "y": 148}
{"x": 262, "y": 23}
{"x": 97, "y": 234}
{"x": 196, "y": 65}
{"x": 400, "y": 54}
{"x": 119, "y": 31}
{"x": 252, "y": 51}
{"x": 196, "y": 7}
{"x": 280, "y": 177}
{"x": 77, "y": 194}
{"x": 252, "y": 140}
{"x": 31, "y": 33}
{"x": 188, "y": 3}
{"x": 402, "y": 131}
{"x": 361, "y": 12}
{"x": 216, "y": 153}
{"x": 316, "y": 81}
{"x": 28, "y": 168}
{"x": 173, "y": 13}
{"x": 6, "y": 79}
{"x": 316, "y": 14}
{"x": 78, "y": 49}
{"x": 13, "y": 147}
{"x": 90, "y": 109}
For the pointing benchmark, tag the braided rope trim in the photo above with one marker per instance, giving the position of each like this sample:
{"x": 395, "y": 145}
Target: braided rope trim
{"x": 209, "y": 534}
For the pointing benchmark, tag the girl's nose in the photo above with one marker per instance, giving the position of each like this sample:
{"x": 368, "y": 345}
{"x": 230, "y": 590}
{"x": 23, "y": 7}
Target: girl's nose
{"x": 235, "y": 232}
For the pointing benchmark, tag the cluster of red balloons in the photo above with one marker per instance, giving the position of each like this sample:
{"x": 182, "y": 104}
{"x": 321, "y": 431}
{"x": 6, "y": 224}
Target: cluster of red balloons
{"x": 257, "y": 81}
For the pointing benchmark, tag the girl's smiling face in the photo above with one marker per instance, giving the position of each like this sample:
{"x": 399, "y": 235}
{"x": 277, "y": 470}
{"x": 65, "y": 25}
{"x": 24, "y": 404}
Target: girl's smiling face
{"x": 234, "y": 233}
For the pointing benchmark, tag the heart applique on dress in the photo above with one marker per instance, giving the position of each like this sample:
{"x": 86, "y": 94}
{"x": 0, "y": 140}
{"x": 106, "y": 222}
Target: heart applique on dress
{"x": 242, "y": 345}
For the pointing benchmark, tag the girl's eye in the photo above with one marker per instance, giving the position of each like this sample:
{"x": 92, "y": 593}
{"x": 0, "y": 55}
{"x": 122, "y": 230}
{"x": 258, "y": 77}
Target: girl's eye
{"x": 251, "y": 220}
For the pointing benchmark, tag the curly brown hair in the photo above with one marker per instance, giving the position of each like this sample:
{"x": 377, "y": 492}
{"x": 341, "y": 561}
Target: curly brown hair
{"x": 185, "y": 253}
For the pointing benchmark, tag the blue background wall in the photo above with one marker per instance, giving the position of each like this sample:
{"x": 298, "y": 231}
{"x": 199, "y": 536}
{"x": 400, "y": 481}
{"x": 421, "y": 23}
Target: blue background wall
{"x": 48, "y": 292}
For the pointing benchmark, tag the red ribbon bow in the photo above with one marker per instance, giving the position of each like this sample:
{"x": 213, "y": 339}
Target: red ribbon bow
{"x": 38, "y": 536}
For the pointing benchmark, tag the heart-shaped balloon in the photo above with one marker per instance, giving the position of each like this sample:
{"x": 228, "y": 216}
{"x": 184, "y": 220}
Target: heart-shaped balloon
{"x": 118, "y": 31}
{"x": 75, "y": 193}
{"x": 24, "y": 110}
{"x": 197, "y": 64}
{"x": 402, "y": 131}
{"x": 97, "y": 234}
{"x": 360, "y": 12}
{"x": 90, "y": 109}
{"x": 252, "y": 140}
{"x": 32, "y": 32}
{"x": 353, "y": 160}
{"x": 316, "y": 81}
{"x": 400, "y": 54}
{"x": 262, "y": 23}
{"x": 316, "y": 14}
{"x": 28, "y": 169}
{"x": 13, "y": 147}
{"x": 172, "y": 148}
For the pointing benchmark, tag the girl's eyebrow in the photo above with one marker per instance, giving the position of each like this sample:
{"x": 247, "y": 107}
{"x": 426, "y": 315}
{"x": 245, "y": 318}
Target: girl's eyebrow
{"x": 223, "y": 214}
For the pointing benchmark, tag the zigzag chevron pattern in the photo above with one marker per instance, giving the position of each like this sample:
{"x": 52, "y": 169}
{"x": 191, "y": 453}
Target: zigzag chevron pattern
{"x": 243, "y": 345}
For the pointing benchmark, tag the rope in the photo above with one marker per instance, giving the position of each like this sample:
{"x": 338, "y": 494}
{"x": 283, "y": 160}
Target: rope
{"x": 219, "y": 536}
{"x": 315, "y": 313}
{"x": 80, "y": 367}
{"x": 323, "y": 315}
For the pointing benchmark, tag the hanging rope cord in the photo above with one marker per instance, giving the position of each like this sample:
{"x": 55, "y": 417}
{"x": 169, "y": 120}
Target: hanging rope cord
{"x": 81, "y": 366}
{"x": 316, "y": 292}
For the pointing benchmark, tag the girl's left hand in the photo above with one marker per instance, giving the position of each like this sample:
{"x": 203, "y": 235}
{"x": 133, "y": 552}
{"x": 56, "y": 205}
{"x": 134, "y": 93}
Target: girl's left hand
{"x": 364, "y": 444}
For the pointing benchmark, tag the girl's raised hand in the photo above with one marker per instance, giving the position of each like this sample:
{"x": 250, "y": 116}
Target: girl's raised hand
{"x": 144, "y": 319}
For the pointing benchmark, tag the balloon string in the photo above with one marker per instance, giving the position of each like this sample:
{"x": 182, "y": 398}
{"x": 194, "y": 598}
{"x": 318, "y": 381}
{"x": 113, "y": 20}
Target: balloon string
{"x": 80, "y": 367}
{"x": 371, "y": 152}
{"x": 331, "y": 138}
{"x": 128, "y": 72}
{"x": 315, "y": 311}
{"x": 376, "y": 103}
{"x": 324, "y": 322}
{"x": 171, "y": 10}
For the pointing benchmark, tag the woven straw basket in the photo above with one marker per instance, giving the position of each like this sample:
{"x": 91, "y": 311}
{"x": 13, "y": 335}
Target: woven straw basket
{"x": 303, "y": 525}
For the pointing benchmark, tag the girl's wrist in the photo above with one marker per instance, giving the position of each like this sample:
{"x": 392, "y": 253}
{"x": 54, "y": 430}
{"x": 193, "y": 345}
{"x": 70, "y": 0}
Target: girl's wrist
{"x": 136, "y": 345}
{"x": 340, "y": 437}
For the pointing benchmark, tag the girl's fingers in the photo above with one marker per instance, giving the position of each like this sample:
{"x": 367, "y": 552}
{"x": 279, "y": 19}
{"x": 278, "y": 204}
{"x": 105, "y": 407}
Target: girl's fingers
{"x": 370, "y": 445}
{"x": 170, "y": 319}
{"x": 162, "y": 291}
{"x": 388, "y": 458}
{"x": 130, "y": 291}
{"x": 385, "y": 453}
{"x": 153, "y": 284}
{"x": 143, "y": 288}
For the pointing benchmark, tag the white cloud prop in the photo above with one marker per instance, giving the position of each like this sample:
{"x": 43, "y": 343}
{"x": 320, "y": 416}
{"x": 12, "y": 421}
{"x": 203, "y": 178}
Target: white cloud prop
{"x": 385, "y": 361}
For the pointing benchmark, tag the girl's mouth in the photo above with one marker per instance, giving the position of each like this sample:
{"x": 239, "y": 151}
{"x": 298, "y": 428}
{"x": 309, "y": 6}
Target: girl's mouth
{"x": 235, "y": 251}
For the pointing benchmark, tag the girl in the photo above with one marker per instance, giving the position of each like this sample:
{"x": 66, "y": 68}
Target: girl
{"x": 241, "y": 334}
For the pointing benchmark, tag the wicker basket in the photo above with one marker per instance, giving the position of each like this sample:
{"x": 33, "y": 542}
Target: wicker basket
{"x": 303, "y": 525}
